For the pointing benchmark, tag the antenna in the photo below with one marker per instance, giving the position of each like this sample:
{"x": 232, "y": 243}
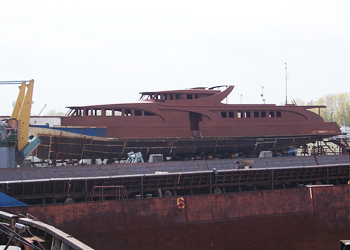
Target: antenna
{"x": 262, "y": 94}
{"x": 241, "y": 98}
{"x": 286, "y": 83}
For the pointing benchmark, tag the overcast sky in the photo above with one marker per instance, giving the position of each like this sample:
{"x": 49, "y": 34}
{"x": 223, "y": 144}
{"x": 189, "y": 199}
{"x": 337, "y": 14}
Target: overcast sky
{"x": 93, "y": 52}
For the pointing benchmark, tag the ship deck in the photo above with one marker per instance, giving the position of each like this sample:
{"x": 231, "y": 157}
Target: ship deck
{"x": 73, "y": 171}
{"x": 52, "y": 185}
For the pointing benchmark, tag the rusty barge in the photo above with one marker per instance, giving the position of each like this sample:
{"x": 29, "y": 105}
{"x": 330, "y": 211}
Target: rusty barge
{"x": 213, "y": 207}
{"x": 180, "y": 123}
{"x": 301, "y": 218}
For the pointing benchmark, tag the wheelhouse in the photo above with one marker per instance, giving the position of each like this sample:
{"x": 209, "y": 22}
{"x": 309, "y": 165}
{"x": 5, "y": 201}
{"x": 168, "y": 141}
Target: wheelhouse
{"x": 186, "y": 94}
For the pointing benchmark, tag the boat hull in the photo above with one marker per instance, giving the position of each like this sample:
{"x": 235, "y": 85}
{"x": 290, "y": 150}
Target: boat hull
{"x": 78, "y": 147}
{"x": 300, "y": 218}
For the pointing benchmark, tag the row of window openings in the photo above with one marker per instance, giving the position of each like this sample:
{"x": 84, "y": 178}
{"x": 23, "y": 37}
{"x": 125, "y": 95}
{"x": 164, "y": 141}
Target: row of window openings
{"x": 112, "y": 112}
{"x": 170, "y": 96}
{"x": 248, "y": 114}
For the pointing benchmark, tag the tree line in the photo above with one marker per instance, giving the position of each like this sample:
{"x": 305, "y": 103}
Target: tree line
{"x": 337, "y": 108}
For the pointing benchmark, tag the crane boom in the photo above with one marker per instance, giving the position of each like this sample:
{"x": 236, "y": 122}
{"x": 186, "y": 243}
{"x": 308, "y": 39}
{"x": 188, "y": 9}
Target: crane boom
{"x": 24, "y": 116}
{"x": 21, "y": 113}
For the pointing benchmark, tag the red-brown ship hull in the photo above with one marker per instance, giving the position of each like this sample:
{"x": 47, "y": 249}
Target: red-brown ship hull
{"x": 58, "y": 147}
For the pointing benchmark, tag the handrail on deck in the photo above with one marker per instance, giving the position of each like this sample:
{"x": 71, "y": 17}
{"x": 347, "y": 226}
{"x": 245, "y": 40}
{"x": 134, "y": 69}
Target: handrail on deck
{"x": 115, "y": 192}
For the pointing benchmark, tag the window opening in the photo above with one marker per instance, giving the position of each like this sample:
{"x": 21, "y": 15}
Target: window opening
{"x": 127, "y": 112}
{"x": 189, "y": 96}
{"x": 224, "y": 114}
{"x": 263, "y": 113}
{"x": 78, "y": 112}
{"x": 278, "y": 114}
{"x": 97, "y": 112}
{"x": 271, "y": 114}
{"x": 256, "y": 114}
{"x": 247, "y": 114}
{"x": 231, "y": 114}
{"x": 108, "y": 112}
{"x": 149, "y": 114}
{"x": 138, "y": 112}
{"x": 69, "y": 113}
{"x": 118, "y": 112}
{"x": 239, "y": 114}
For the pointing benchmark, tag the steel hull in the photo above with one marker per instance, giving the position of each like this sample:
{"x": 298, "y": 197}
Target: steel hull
{"x": 73, "y": 147}
{"x": 300, "y": 218}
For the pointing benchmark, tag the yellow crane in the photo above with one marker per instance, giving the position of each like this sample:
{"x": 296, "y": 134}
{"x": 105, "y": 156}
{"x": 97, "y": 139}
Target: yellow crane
{"x": 21, "y": 113}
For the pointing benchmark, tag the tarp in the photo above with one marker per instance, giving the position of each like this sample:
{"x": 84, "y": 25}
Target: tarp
{"x": 8, "y": 201}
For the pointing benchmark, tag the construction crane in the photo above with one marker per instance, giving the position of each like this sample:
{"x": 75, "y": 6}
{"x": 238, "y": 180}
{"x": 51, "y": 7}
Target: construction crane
{"x": 20, "y": 121}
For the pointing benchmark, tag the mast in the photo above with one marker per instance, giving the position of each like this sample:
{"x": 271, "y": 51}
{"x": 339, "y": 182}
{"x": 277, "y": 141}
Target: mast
{"x": 286, "y": 83}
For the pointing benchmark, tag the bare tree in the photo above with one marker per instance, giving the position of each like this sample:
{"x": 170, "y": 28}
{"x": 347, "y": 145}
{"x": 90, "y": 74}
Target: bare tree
{"x": 331, "y": 102}
{"x": 337, "y": 108}
{"x": 343, "y": 109}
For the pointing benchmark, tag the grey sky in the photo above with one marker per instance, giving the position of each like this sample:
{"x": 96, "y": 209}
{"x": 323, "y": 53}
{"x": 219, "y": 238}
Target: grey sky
{"x": 91, "y": 52}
